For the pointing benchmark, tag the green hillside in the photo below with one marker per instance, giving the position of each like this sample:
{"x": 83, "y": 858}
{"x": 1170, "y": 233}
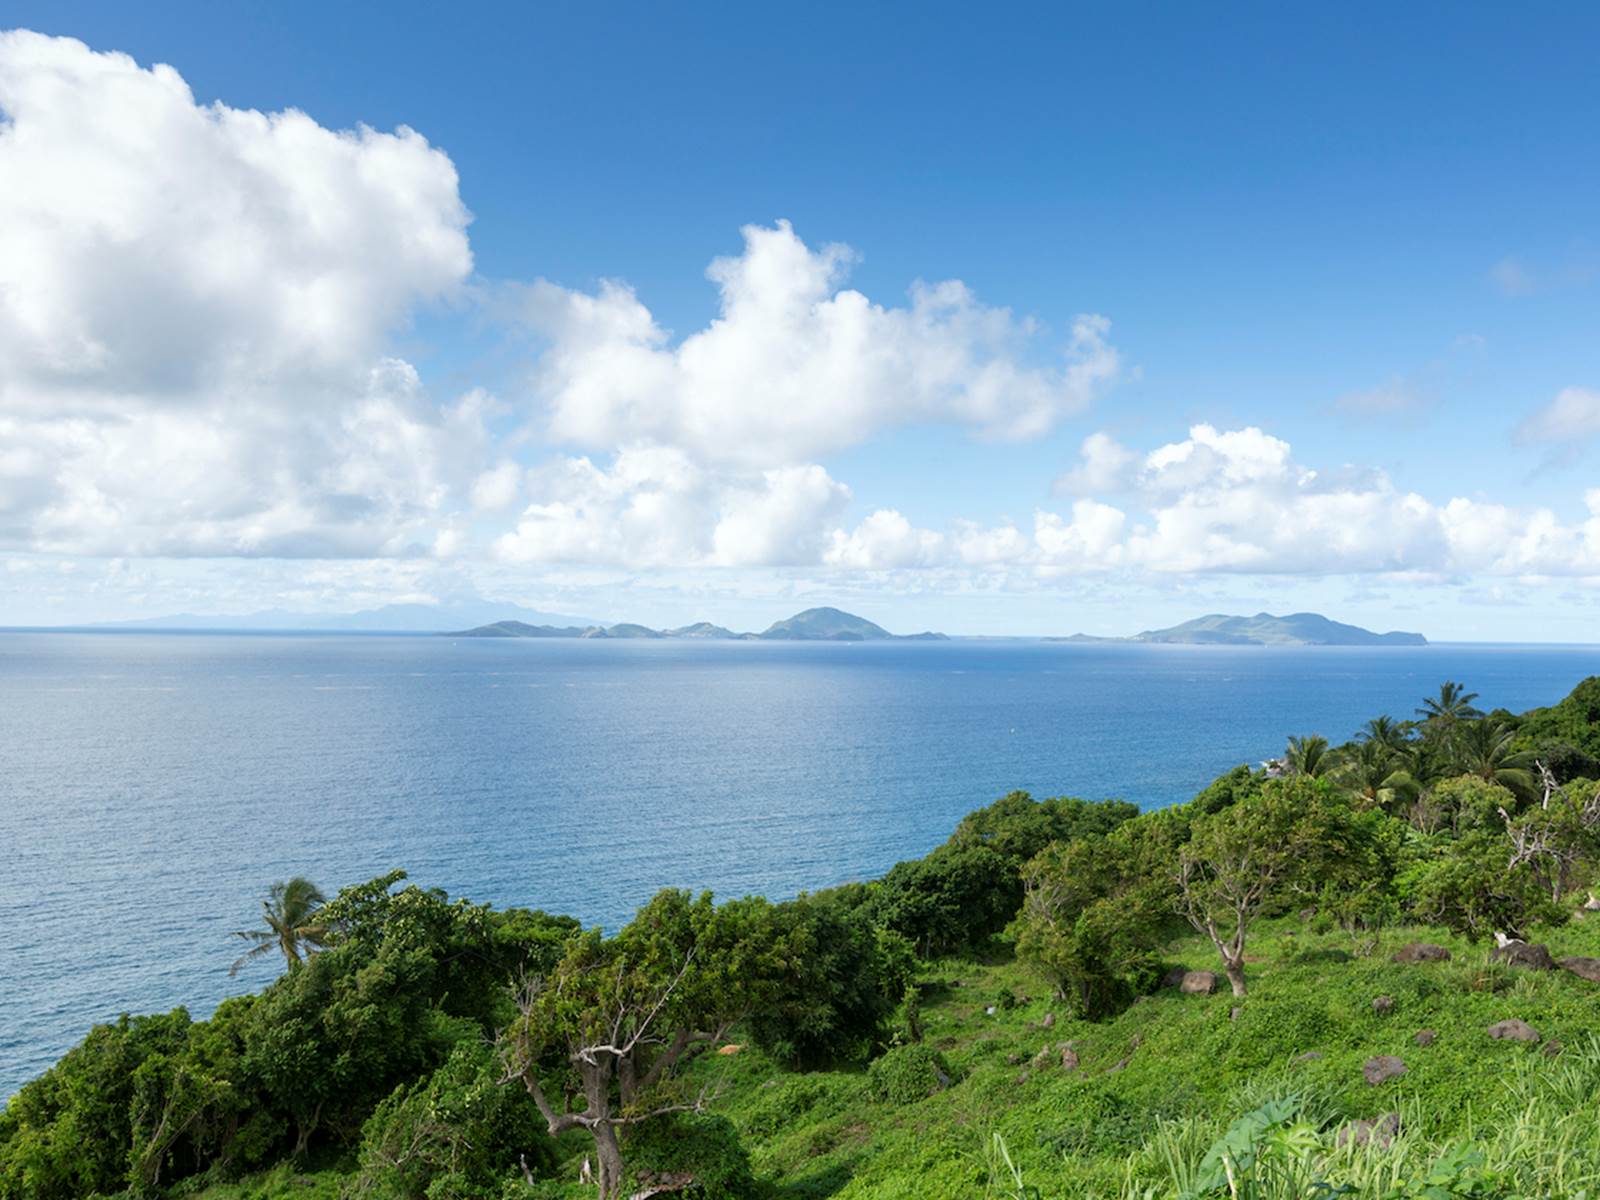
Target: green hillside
{"x": 1293, "y": 986}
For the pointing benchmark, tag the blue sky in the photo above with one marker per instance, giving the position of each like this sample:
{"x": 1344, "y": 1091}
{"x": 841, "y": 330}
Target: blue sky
{"x": 1361, "y": 246}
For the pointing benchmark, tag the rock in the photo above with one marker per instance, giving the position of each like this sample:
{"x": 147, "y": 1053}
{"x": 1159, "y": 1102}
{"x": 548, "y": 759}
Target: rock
{"x": 1198, "y": 983}
{"x": 1174, "y": 977}
{"x": 1383, "y": 1005}
{"x": 1308, "y": 1056}
{"x": 1592, "y": 904}
{"x": 1069, "y": 1059}
{"x": 1424, "y": 1037}
{"x": 1014, "y": 1060}
{"x": 1049, "y": 1021}
{"x": 990, "y": 1011}
{"x": 1421, "y": 952}
{"x": 1023, "y": 1077}
{"x": 1552, "y": 1048}
{"x": 1381, "y": 1068}
{"x": 1308, "y": 914}
{"x": 1514, "y": 1030}
{"x": 1379, "y": 1131}
{"x": 1583, "y": 968}
{"x": 1233, "y": 1014}
{"x": 1521, "y": 954}
{"x": 1041, "y": 1060}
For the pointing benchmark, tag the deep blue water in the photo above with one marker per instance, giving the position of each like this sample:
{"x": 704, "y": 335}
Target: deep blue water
{"x": 153, "y": 785}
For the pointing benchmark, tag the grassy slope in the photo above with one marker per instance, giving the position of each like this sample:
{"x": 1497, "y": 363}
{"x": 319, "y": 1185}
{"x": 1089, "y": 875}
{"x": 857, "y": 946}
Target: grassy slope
{"x": 1101, "y": 1131}
{"x": 1077, "y": 1133}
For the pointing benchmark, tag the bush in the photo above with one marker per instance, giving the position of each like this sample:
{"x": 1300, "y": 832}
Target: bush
{"x": 456, "y": 1133}
{"x": 706, "y": 1147}
{"x": 907, "y": 1074}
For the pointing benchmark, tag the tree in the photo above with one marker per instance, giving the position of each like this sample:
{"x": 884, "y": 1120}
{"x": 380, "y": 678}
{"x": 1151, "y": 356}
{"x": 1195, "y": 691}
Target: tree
{"x": 616, "y": 1017}
{"x": 1386, "y": 732}
{"x": 1308, "y": 756}
{"x": 1092, "y": 920}
{"x": 1486, "y": 749}
{"x": 1560, "y": 839}
{"x": 293, "y": 925}
{"x": 1375, "y": 775}
{"x": 1468, "y": 887}
{"x": 1442, "y": 713}
{"x": 1245, "y": 858}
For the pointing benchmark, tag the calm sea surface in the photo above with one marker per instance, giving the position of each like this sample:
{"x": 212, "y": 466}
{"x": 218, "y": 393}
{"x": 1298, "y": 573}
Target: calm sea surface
{"x": 153, "y": 785}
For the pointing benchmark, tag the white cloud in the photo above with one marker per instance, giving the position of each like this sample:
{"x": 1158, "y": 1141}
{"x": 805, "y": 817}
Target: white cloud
{"x": 796, "y": 366}
{"x": 656, "y": 507}
{"x": 1574, "y": 415}
{"x": 886, "y": 540}
{"x": 1104, "y": 466}
{"x": 194, "y": 304}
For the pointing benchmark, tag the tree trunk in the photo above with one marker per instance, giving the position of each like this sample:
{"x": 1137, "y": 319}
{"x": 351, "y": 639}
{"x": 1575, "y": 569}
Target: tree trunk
{"x": 1235, "y": 971}
{"x": 608, "y": 1161}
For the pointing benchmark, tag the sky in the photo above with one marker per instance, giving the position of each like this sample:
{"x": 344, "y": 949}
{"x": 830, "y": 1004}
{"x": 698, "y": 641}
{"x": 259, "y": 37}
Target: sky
{"x": 1023, "y": 319}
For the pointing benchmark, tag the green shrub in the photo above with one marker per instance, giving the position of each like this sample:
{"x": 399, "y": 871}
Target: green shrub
{"x": 907, "y": 1074}
{"x": 706, "y": 1147}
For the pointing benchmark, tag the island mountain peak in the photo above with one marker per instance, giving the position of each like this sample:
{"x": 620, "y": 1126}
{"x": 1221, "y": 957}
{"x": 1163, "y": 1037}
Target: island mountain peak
{"x": 1265, "y": 629}
{"x": 813, "y": 625}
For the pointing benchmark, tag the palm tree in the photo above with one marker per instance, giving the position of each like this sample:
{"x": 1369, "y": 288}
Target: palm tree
{"x": 1386, "y": 732}
{"x": 1451, "y": 706}
{"x": 1484, "y": 749}
{"x": 1377, "y": 774}
{"x": 1307, "y": 756}
{"x": 290, "y": 912}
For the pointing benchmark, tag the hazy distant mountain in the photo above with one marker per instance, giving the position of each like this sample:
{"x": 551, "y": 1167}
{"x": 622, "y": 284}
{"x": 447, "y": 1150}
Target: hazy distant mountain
{"x": 391, "y": 618}
{"x": 519, "y": 629}
{"x": 624, "y": 630}
{"x": 704, "y": 629}
{"x": 813, "y": 625}
{"x": 1264, "y": 629}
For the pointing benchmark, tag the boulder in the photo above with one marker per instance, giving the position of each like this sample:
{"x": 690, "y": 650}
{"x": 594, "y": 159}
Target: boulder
{"x": 1382, "y": 1067}
{"x": 1233, "y": 1014}
{"x": 1521, "y": 954}
{"x": 1421, "y": 952}
{"x": 1379, "y": 1131}
{"x": 1069, "y": 1058}
{"x": 1308, "y": 1056}
{"x": 1424, "y": 1037}
{"x": 1552, "y": 1048}
{"x": 1049, "y": 1021}
{"x": 1198, "y": 983}
{"x": 1514, "y": 1030}
{"x": 1174, "y": 977}
{"x": 1041, "y": 1060}
{"x": 1383, "y": 1005}
{"x": 1583, "y": 968}
{"x": 1592, "y": 904}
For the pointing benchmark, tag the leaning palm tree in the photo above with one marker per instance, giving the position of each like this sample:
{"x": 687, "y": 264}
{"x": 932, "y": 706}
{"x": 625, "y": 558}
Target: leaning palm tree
{"x": 290, "y": 913}
{"x": 1308, "y": 756}
{"x": 1449, "y": 708}
{"x": 1375, "y": 775}
{"x": 1484, "y": 748}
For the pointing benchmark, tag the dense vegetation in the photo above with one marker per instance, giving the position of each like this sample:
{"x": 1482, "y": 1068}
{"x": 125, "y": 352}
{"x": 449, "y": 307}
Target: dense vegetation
{"x": 1033, "y": 1009}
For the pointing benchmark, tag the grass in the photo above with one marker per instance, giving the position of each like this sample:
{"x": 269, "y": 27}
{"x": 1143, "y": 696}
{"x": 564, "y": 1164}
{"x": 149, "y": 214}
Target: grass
{"x": 1160, "y": 1084}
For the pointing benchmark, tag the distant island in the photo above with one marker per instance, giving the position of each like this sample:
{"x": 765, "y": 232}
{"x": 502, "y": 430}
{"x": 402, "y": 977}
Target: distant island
{"x": 812, "y": 625}
{"x": 1263, "y": 629}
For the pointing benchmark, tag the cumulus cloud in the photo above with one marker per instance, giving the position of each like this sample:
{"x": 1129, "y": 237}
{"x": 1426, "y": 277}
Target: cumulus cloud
{"x": 655, "y": 506}
{"x": 1103, "y": 466}
{"x": 1237, "y": 501}
{"x": 796, "y": 365}
{"x": 194, "y": 306}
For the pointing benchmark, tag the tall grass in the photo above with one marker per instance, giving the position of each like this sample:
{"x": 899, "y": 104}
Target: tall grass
{"x": 1539, "y": 1137}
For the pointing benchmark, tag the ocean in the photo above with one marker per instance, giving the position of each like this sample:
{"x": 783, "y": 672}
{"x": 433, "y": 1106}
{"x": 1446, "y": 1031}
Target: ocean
{"x": 152, "y": 786}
